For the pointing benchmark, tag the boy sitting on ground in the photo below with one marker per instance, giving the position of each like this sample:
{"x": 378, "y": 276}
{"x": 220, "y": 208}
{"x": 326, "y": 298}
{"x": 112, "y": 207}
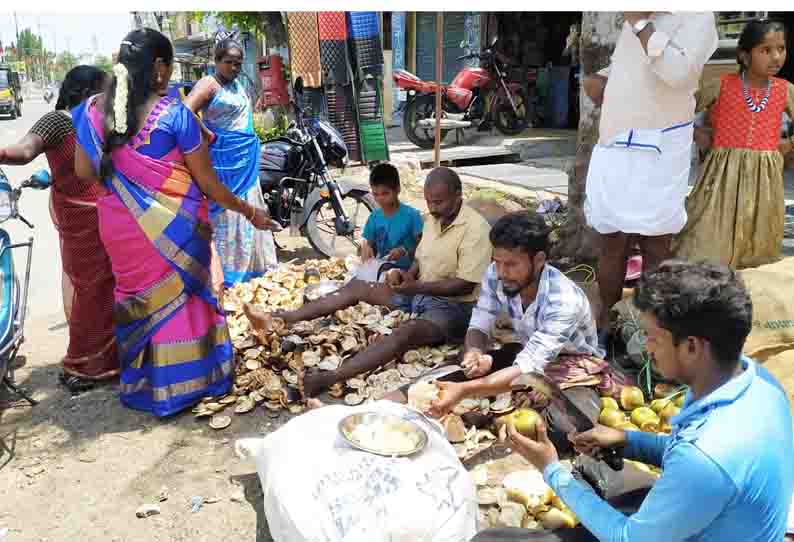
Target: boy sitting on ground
{"x": 393, "y": 231}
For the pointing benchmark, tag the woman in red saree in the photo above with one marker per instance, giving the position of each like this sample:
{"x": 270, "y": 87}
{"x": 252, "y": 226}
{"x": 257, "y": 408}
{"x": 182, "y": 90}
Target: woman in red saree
{"x": 146, "y": 148}
{"x": 87, "y": 277}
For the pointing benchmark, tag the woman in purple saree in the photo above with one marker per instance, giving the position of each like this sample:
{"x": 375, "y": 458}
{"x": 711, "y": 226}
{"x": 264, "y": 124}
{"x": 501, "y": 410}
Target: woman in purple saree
{"x": 173, "y": 342}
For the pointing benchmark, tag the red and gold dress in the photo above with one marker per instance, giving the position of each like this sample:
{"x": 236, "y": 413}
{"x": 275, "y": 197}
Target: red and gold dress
{"x": 736, "y": 210}
{"x": 87, "y": 276}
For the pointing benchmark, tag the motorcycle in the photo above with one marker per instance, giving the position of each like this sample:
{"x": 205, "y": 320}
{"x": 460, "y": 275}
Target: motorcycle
{"x": 48, "y": 95}
{"x": 301, "y": 193}
{"x": 475, "y": 95}
{"x": 13, "y": 292}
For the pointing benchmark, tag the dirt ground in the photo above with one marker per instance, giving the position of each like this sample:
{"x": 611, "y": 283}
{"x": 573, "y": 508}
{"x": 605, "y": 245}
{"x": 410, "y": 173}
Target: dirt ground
{"x": 81, "y": 466}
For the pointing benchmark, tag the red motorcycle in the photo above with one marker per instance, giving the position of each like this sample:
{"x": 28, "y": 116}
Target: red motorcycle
{"x": 476, "y": 95}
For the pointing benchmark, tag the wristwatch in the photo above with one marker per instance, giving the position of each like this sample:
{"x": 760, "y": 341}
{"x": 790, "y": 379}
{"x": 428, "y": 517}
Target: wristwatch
{"x": 639, "y": 26}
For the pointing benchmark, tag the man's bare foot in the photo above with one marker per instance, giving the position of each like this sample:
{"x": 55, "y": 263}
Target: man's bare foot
{"x": 260, "y": 320}
{"x": 313, "y": 382}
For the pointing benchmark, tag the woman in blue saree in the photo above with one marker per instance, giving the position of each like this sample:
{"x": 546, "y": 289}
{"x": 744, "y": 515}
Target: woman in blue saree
{"x": 225, "y": 105}
{"x": 148, "y": 151}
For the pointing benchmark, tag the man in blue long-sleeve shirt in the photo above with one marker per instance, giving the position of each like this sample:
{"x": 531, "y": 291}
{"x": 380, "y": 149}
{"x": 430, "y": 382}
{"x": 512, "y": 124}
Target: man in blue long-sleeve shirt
{"x": 728, "y": 466}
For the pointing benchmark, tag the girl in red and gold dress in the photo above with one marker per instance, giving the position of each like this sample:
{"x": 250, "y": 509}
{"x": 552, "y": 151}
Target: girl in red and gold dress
{"x": 87, "y": 277}
{"x": 736, "y": 210}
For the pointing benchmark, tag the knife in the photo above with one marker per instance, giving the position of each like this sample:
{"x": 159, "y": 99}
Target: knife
{"x": 613, "y": 457}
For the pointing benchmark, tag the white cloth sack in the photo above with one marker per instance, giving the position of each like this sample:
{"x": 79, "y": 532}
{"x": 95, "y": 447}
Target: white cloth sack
{"x": 319, "y": 489}
{"x": 639, "y": 182}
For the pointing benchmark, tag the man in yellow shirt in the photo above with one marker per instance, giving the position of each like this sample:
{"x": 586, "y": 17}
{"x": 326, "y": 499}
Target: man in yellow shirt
{"x": 440, "y": 288}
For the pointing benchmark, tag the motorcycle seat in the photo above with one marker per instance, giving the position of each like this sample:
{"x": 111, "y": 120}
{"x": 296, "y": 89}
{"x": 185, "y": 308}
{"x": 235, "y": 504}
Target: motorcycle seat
{"x": 407, "y": 80}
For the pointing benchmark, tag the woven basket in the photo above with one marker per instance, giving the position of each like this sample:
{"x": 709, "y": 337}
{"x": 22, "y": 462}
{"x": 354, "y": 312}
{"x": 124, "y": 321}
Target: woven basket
{"x": 333, "y": 56}
{"x": 305, "y": 47}
{"x": 363, "y": 24}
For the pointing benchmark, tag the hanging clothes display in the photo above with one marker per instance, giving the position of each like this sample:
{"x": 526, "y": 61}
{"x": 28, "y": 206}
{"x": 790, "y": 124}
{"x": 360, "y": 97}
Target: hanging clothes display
{"x": 340, "y": 57}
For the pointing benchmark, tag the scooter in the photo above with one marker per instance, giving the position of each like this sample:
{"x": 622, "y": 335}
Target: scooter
{"x": 13, "y": 291}
{"x": 476, "y": 95}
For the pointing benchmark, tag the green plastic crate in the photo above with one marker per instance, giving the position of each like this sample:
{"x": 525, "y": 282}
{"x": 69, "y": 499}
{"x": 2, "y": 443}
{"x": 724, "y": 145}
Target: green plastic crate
{"x": 373, "y": 141}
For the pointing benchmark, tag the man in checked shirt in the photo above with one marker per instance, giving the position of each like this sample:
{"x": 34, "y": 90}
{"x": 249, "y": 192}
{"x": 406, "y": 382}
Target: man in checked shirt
{"x": 551, "y": 317}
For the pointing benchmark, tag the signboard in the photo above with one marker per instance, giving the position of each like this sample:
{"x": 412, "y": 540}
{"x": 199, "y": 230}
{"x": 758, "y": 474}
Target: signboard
{"x": 398, "y": 19}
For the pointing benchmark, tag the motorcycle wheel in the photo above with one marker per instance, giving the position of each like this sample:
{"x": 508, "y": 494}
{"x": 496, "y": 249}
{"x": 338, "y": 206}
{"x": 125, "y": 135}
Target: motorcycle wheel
{"x": 320, "y": 230}
{"x": 422, "y": 107}
{"x": 505, "y": 118}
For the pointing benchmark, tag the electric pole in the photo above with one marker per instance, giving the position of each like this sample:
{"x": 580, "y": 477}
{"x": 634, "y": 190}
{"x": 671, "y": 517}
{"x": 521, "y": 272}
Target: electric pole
{"x": 41, "y": 51}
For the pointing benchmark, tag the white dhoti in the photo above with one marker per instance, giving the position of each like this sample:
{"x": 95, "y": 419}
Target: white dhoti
{"x": 638, "y": 183}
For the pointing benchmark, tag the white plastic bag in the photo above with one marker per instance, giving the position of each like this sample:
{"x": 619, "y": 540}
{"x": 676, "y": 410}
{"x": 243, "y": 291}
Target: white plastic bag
{"x": 319, "y": 489}
{"x": 368, "y": 271}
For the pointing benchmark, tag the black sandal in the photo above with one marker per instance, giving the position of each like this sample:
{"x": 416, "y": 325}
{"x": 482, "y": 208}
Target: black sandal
{"x": 75, "y": 384}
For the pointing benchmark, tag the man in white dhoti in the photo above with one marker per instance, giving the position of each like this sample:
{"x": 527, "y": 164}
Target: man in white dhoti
{"x": 638, "y": 175}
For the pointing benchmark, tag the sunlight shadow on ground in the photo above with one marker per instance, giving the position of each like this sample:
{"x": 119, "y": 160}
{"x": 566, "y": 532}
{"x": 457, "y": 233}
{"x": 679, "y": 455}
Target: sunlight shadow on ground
{"x": 254, "y": 496}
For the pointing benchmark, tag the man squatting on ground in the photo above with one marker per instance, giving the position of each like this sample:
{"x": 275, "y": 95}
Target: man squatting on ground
{"x": 440, "y": 287}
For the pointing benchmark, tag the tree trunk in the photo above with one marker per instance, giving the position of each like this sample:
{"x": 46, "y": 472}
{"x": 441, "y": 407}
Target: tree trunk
{"x": 600, "y": 31}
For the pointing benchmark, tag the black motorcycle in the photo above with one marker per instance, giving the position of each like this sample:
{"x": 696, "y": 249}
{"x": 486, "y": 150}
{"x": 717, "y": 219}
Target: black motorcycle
{"x": 301, "y": 193}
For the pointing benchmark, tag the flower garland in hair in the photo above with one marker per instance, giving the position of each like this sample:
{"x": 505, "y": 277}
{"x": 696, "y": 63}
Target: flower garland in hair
{"x": 120, "y": 99}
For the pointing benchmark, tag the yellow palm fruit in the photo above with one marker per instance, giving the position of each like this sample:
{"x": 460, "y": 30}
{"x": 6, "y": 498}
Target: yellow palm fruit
{"x": 642, "y": 416}
{"x": 609, "y": 402}
{"x": 611, "y": 418}
{"x": 524, "y": 420}
{"x": 631, "y": 397}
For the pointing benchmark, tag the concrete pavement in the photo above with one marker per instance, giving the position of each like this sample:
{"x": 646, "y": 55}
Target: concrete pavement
{"x": 45, "y": 304}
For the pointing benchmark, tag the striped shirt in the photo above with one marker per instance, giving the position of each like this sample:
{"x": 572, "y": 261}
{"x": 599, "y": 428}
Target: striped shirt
{"x": 559, "y": 320}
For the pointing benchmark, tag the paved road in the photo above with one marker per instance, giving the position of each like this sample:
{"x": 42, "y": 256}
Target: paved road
{"x": 45, "y": 301}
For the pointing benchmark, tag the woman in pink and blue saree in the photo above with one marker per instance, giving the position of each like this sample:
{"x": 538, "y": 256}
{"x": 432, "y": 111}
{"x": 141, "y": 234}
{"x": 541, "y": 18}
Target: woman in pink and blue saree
{"x": 147, "y": 149}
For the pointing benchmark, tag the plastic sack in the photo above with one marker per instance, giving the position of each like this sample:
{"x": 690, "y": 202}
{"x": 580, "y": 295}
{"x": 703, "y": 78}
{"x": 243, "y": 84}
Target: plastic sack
{"x": 771, "y": 289}
{"x": 369, "y": 271}
{"x": 317, "y": 488}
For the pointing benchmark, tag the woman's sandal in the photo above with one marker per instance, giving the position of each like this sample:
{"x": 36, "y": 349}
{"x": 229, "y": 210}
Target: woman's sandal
{"x": 75, "y": 384}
